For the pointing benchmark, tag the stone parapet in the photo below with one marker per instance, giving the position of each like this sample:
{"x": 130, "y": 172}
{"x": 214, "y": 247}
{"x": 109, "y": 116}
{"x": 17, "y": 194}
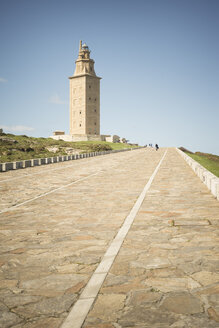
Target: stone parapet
{"x": 208, "y": 178}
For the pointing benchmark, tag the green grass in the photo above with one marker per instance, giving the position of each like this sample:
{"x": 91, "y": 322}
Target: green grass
{"x": 91, "y": 144}
{"x": 14, "y": 147}
{"x": 209, "y": 161}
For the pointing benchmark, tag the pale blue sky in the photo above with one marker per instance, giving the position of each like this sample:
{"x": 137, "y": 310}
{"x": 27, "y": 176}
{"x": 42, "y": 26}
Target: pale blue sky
{"x": 158, "y": 60}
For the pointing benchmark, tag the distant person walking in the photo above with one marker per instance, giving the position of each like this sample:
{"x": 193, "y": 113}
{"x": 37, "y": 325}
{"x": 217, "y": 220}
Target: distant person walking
{"x": 156, "y": 146}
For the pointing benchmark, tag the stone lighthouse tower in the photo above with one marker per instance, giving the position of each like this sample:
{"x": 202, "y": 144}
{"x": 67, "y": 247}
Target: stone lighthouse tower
{"x": 84, "y": 98}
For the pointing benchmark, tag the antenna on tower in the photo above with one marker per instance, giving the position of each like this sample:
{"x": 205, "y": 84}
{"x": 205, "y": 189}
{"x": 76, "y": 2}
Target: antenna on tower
{"x": 80, "y": 45}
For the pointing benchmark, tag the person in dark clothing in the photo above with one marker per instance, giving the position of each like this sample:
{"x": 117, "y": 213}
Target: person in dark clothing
{"x": 156, "y": 146}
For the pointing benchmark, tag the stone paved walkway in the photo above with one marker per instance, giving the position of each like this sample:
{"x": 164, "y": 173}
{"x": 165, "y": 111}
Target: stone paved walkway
{"x": 165, "y": 274}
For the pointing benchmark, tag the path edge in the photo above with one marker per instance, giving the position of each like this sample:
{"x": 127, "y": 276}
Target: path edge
{"x": 208, "y": 178}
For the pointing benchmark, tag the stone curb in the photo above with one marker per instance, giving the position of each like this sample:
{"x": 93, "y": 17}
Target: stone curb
{"x": 50, "y": 160}
{"x": 208, "y": 178}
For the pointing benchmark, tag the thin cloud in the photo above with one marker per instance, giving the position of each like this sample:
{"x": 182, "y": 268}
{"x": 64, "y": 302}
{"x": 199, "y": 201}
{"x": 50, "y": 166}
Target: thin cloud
{"x": 3, "y": 80}
{"x": 16, "y": 128}
{"x": 56, "y": 100}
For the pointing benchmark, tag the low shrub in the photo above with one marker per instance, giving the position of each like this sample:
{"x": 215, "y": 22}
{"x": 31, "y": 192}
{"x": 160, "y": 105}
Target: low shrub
{"x": 100, "y": 147}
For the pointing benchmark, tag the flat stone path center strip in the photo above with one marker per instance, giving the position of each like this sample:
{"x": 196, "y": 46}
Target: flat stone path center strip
{"x": 81, "y": 308}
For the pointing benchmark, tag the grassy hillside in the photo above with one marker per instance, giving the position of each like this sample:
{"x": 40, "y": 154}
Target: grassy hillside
{"x": 13, "y": 147}
{"x": 209, "y": 161}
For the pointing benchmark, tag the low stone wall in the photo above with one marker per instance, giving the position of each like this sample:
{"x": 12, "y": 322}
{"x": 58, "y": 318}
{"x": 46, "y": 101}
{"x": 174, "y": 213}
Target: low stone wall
{"x": 43, "y": 161}
{"x": 208, "y": 178}
{"x": 79, "y": 137}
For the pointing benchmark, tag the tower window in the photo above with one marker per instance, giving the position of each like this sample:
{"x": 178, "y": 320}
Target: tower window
{"x": 95, "y": 123}
{"x": 95, "y": 99}
{"x": 95, "y": 110}
{"x": 79, "y": 124}
{"x": 80, "y": 112}
{"x": 89, "y": 98}
{"x": 89, "y": 86}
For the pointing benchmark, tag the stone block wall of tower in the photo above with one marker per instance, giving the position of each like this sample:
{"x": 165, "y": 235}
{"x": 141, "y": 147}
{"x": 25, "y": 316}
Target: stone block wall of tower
{"x": 93, "y": 105}
{"x": 77, "y": 106}
{"x": 84, "y": 96}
